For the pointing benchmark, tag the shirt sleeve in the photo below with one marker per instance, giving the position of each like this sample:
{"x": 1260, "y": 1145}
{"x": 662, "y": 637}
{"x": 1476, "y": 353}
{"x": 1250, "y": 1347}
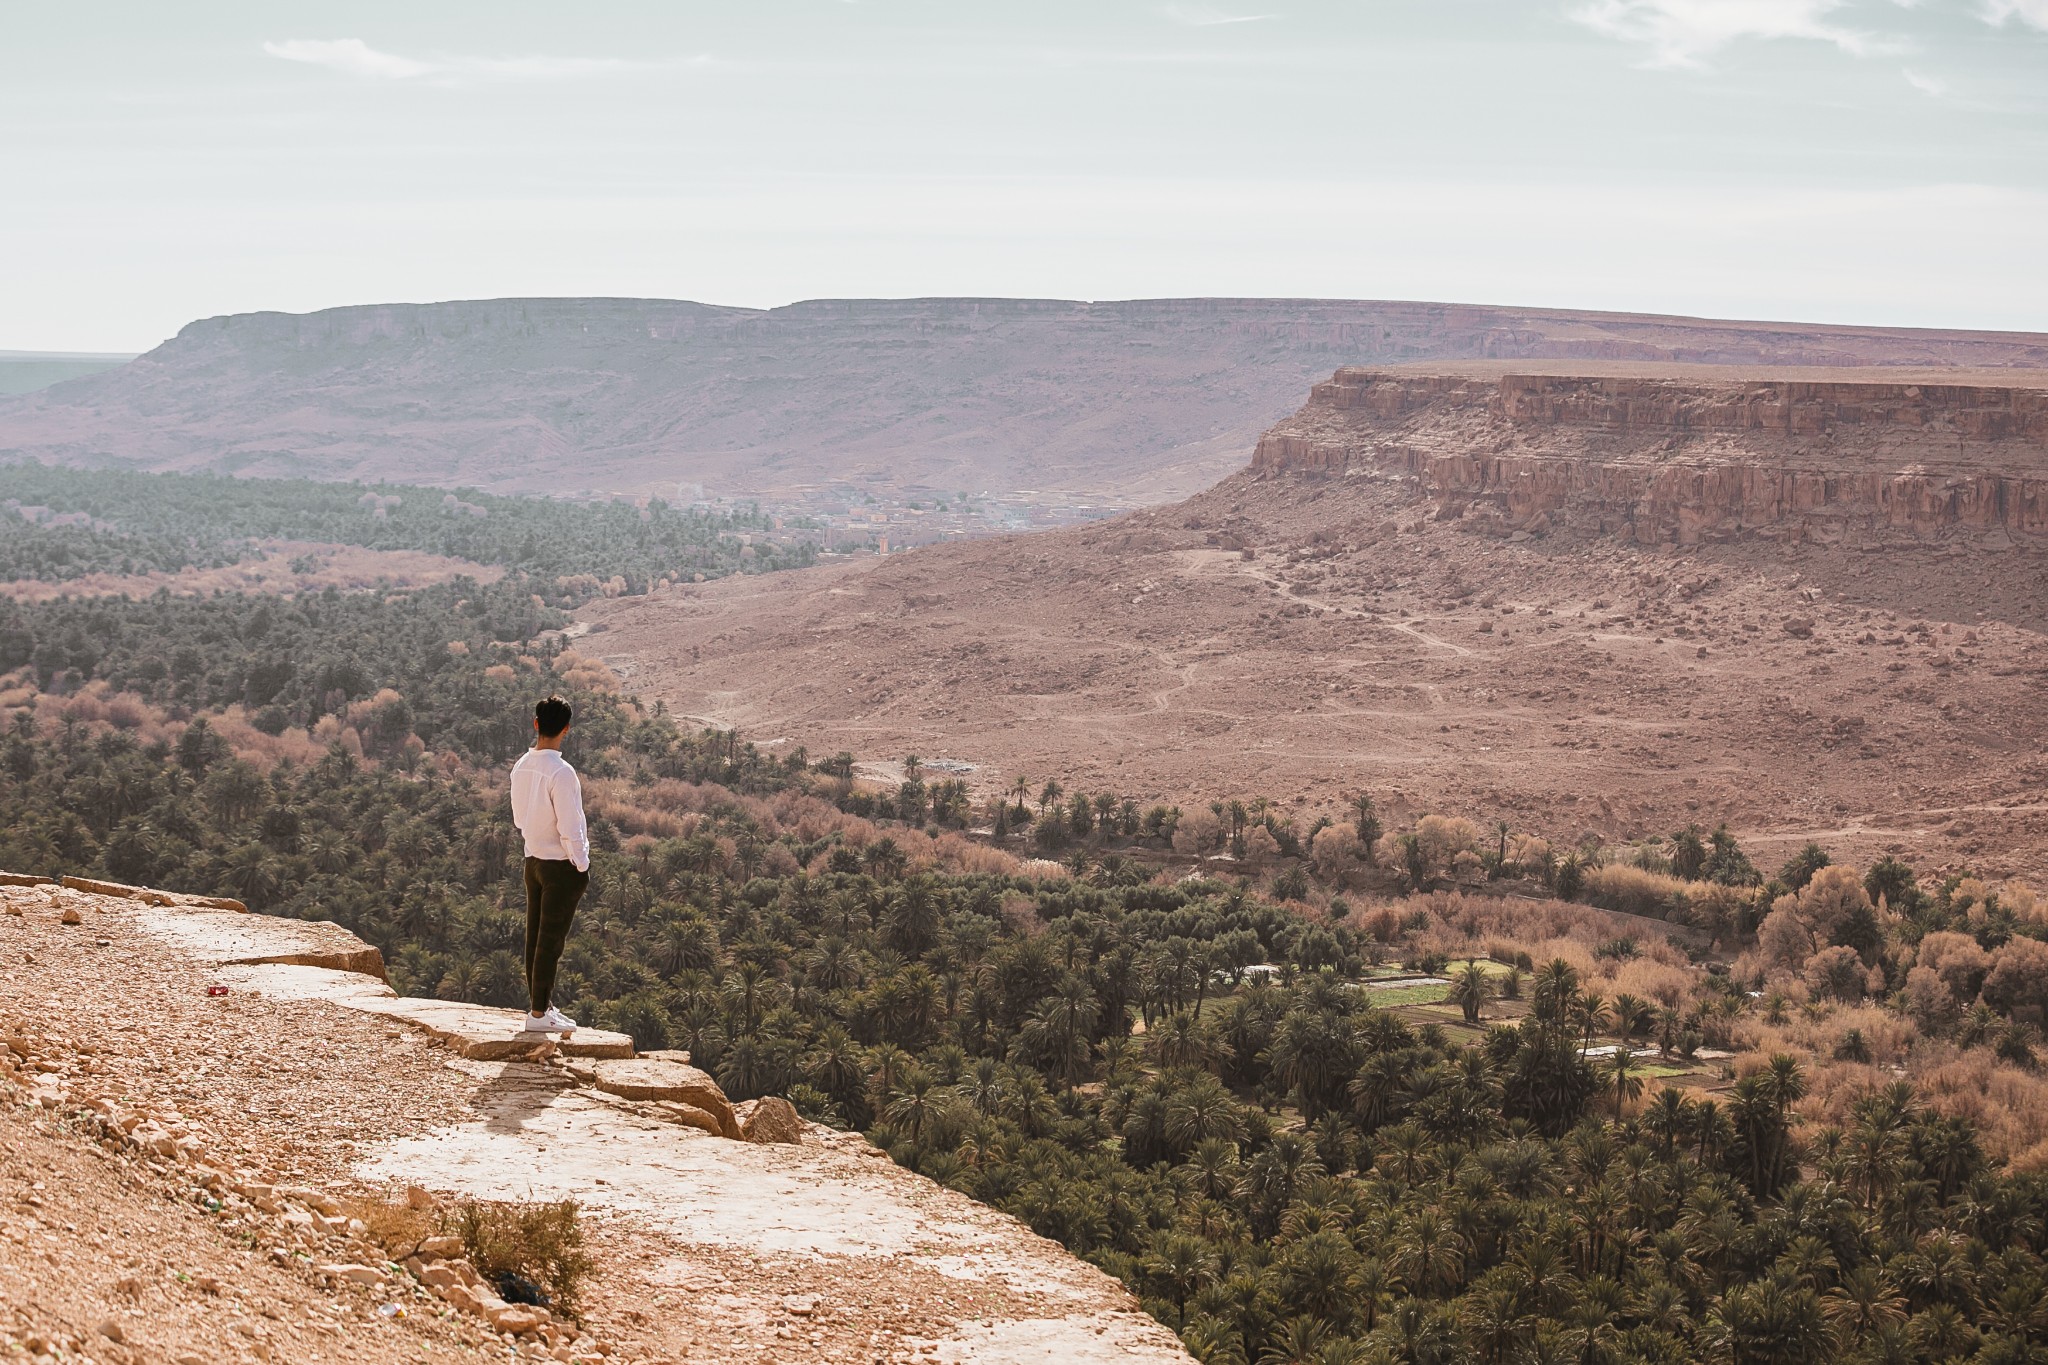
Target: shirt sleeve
{"x": 567, "y": 791}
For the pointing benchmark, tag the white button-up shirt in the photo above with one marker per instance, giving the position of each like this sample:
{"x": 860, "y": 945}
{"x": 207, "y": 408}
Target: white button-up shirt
{"x": 547, "y": 805}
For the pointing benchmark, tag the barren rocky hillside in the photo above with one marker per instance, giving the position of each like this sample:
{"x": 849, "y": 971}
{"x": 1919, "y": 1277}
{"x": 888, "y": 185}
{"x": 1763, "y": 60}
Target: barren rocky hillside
{"x": 210, "y": 1122}
{"x": 1127, "y": 403}
{"x": 1569, "y": 602}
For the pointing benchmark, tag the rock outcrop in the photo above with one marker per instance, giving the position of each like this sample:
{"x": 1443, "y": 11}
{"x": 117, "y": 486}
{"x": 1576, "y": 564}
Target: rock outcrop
{"x": 209, "y": 1136}
{"x": 1687, "y": 460}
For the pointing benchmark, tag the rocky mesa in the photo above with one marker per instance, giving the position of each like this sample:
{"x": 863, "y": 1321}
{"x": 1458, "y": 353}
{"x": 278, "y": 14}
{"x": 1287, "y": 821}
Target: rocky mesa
{"x": 211, "y": 1120}
{"x": 1685, "y": 458}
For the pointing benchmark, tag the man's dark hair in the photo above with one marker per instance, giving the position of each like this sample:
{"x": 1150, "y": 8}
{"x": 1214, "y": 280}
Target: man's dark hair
{"x": 551, "y": 715}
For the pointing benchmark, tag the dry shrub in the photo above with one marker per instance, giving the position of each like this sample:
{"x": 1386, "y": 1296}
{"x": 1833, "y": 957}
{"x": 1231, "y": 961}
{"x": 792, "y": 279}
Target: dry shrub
{"x": 1957, "y": 960}
{"x": 1199, "y": 831}
{"x": 591, "y": 675}
{"x": 1337, "y": 854}
{"x": 398, "y": 1228}
{"x": 1651, "y": 979}
{"x": 2009, "y": 1106}
{"x": 1020, "y": 912}
{"x": 538, "y": 1242}
{"x": 958, "y": 853}
{"x": 1575, "y": 953}
{"x": 2019, "y": 898}
{"x": 265, "y": 751}
{"x": 1631, "y": 890}
{"x": 1890, "y": 1037}
{"x": 1383, "y": 924}
{"x": 1464, "y": 923}
{"x": 611, "y": 799}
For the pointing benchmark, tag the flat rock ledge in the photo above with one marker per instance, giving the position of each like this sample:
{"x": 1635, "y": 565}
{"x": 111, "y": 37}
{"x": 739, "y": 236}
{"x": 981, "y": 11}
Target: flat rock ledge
{"x": 483, "y": 1034}
{"x": 879, "y": 1254}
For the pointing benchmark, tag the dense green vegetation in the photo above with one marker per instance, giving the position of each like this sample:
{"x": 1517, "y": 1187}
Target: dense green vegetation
{"x": 139, "y": 523}
{"x": 1283, "y": 1171}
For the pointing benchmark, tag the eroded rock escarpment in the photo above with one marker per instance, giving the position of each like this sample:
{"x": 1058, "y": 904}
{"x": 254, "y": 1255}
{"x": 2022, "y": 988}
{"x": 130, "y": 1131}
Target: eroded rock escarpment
{"x": 1687, "y": 459}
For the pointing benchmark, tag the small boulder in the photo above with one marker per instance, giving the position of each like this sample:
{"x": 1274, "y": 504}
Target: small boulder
{"x": 516, "y": 1318}
{"x": 649, "y": 1078}
{"x": 71, "y": 915}
{"x": 460, "y": 1297}
{"x": 692, "y": 1116}
{"x": 772, "y": 1119}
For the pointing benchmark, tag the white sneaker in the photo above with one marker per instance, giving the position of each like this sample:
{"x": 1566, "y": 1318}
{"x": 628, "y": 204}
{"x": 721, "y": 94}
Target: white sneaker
{"x": 554, "y": 1021}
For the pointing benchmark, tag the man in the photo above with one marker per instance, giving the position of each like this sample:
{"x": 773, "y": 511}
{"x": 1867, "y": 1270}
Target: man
{"x": 547, "y": 805}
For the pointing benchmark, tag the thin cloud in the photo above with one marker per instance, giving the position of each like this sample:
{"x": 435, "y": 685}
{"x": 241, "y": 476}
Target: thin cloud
{"x": 1685, "y": 33}
{"x": 1926, "y": 85}
{"x": 1208, "y": 18}
{"x": 354, "y": 57}
{"x": 351, "y": 57}
{"x": 2034, "y": 12}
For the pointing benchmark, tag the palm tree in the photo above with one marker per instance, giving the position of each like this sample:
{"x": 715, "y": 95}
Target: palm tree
{"x": 1365, "y": 821}
{"x": 1769, "y": 1322}
{"x": 1632, "y": 1015}
{"x": 1669, "y": 1117}
{"x": 1373, "y": 1286}
{"x": 1314, "y": 1273}
{"x": 1185, "y": 1265}
{"x": 1271, "y": 1179}
{"x": 1621, "y": 1076}
{"x": 834, "y": 1063}
{"x": 1428, "y": 1253}
{"x": 917, "y": 1101}
{"x": 1201, "y": 1110}
{"x": 1180, "y": 1041}
{"x": 1212, "y": 1169}
{"x": 1060, "y": 1028}
{"x": 1592, "y": 1012}
{"x": 1471, "y": 988}
{"x": 1557, "y": 986}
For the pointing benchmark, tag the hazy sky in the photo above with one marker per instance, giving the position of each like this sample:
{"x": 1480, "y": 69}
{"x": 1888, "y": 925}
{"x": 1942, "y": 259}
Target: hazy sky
{"x": 1840, "y": 160}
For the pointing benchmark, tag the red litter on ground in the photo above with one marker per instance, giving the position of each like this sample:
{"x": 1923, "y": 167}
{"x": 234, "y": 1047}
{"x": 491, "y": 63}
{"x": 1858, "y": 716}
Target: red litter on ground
{"x": 216, "y": 990}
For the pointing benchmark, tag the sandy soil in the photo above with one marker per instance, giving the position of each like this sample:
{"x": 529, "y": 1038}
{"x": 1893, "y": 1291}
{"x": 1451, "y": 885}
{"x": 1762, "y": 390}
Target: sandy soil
{"x": 1566, "y": 685}
{"x": 707, "y": 1250}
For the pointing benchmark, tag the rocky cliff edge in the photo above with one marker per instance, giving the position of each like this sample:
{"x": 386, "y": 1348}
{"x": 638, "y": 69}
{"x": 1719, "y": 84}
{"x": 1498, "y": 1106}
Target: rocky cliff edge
{"x": 196, "y": 1103}
{"x": 1694, "y": 458}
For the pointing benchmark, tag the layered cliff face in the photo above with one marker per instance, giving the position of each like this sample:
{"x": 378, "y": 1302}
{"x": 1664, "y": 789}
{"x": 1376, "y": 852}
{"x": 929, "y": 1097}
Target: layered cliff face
{"x": 1691, "y": 458}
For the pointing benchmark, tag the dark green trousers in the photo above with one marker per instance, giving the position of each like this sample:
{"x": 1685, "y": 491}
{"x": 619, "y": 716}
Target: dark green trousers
{"x": 553, "y": 887}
